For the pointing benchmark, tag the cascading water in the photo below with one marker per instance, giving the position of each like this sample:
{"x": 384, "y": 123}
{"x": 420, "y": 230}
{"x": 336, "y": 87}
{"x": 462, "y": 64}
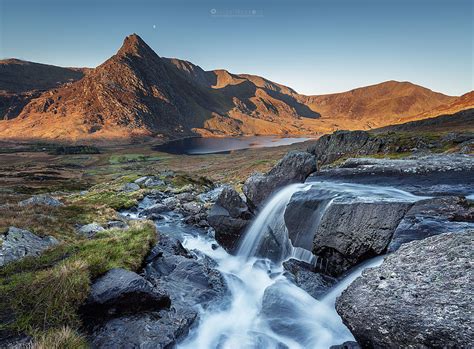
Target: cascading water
{"x": 264, "y": 308}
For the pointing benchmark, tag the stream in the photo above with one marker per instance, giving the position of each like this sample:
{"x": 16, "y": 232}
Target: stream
{"x": 263, "y": 307}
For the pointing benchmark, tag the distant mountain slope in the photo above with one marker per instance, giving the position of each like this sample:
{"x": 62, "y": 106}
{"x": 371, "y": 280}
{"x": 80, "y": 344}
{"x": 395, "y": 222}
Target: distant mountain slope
{"x": 21, "y": 81}
{"x": 460, "y": 121}
{"x": 138, "y": 94}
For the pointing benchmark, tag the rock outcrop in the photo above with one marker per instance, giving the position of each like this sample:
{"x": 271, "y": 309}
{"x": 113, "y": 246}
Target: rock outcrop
{"x": 295, "y": 167}
{"x": 18, "y": 243}
{"x": 420, "y": 297}
{"x": 45, "y": 200}
{"x": 352, "y": 232}
{"x": 229, "y": 217}
{"x": 434, "y": 216}
{"x": 121, "y": 292}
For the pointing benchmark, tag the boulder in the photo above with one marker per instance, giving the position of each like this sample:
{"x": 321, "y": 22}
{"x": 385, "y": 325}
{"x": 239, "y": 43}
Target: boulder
{"x": 117, "y": 225}
{"x": 229, "y": 217}
{"x": 130, "y": 187}
{"x": 349, "y": 233}
{"x": 305, "y": 276}
{"x": 141, "y": 180}
{"x": 432, "y": 217}
{"x": 420, "y": 297}
{"x": 153, "y": 182}
{"x": 346, "y": 345}
{"x": 90, "y": 230}
{"x": 45, "y": 200}
{"x": 121, "y": 292}
{"x": 154, "y": 209}
{"x": 192, "y": 207}
{"x": 18, "y": 243}
{"x": 295, "y": 167}
{"x": 185, "y": 197}
{"x": 171, "y": 202}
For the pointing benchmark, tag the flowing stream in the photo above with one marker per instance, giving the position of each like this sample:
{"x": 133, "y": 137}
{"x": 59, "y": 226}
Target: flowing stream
{"x": 265, "y": 309}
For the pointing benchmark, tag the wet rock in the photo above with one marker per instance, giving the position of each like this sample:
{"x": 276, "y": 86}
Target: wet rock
{"x": 45, "y": 200}
{"x": 346, "y": 345}
{"x": 211, "y": 195}
{"x": 185, "y": 197}
{"x": 420, "y": 297}
{"x": 154, "y": 209}
{"x": 295, "y": 167}
{"x": 171, "y": 202}
{"x": 154, "y": 330}
{"x": 18, "y": 243}
{"x": 90, "y": 230}
{"x": 350, "y": 233}
{"x": 128, "y": 187}
{"x": 305, "y": 276}
{"x": 192, "y": 207}
{"x": 229, "y": 217}
{"x": 120, "y": 292}
{"x": 432, "y": 217}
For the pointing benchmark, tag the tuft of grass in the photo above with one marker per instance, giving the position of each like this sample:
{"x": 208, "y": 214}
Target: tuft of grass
{"x": 61, "y": 338}
{"x": 43, "y": 293}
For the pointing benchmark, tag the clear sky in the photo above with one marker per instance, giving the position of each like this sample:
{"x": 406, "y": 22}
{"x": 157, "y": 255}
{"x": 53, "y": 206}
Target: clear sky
{"x": 315, "y": 47}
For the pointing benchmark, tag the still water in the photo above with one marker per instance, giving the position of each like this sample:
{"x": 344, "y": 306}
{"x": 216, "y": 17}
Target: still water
{"x": 196, "y": 145}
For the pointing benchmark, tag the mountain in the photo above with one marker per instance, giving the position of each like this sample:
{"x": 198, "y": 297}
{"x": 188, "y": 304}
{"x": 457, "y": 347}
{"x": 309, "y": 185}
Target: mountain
{"x": 21, "y": 81}
{"x": 137, "y": 94}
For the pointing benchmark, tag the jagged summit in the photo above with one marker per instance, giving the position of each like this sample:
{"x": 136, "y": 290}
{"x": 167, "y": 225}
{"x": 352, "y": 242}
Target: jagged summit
{"x": 134, "y": 45}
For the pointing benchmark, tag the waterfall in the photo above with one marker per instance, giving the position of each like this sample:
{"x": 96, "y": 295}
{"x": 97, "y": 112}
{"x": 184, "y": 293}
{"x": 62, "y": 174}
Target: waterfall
{"x": 264, "y": 308}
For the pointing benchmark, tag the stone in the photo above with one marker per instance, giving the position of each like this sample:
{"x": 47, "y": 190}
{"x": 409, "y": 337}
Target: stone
{"x": 346, "y": 345}
{"x": 419, "y": 297}
{"x": 117, "y": 225}
{"x": 90, "y": 230}
{"x": 350, "y": 233}
{"x": 446, "y": 214}
{"x": 305, "y": 276}
{"x": 192, "y": 207}
{"x": 171, "y": 202}
{"x": 294, "y": 167}
{"x": 120, "y": 292}
{"x": 45, "y": 200}
{"x": 141, "y": 180}
{"x": 153, "y": 182}
{"x": 154, "y": 209}
{"x": 229, "y": 217}
{"x": 185, "y": 197}
{"x": 128, "y": 187}
{"x": 18, "y": 243}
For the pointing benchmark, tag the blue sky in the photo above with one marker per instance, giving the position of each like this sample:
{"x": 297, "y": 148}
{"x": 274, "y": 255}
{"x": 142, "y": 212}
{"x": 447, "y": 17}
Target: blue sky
{"x": 315, "y": 47}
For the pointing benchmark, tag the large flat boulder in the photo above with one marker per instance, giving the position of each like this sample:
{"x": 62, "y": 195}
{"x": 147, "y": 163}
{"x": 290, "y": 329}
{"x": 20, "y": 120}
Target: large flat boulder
{"x": 349, "y": 233}
{"x": 121, "y": 292}
{"x": 19, "y": 243}
{"x": 420, "y": 297}
{"x": 229, "y": 217}
{"x": 294, "y": 167}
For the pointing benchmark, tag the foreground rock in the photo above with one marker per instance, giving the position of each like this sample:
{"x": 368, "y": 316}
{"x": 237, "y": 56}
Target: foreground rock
{"x": 90, "y": 230}
{"x": 229, "y": 217}
{"x": 188, "y": 280}
{"x": 432, "y": 217}
{"x": 420, "y": 297}
{"x": 352, "y": 232}
{"x": 19, "y": 243}
{"x": 121, "y": 292}
{"x": 45, "y": 200}
{"x": 295, "y": 167}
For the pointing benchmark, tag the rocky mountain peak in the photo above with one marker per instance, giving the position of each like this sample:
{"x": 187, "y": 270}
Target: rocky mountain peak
{"x": 134, "y": 45}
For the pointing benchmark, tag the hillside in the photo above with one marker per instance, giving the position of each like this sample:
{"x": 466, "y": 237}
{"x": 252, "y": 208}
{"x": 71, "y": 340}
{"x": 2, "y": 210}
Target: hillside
{"x": 136, "y": 95}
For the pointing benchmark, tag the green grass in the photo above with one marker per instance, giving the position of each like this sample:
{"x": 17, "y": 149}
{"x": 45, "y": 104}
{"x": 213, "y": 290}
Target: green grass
{"x": 126, "y": 158}
{"x": 39, "y": 294}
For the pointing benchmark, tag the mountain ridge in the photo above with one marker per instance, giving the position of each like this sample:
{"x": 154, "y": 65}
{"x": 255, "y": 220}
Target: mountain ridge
{"x": 138, "y": 94}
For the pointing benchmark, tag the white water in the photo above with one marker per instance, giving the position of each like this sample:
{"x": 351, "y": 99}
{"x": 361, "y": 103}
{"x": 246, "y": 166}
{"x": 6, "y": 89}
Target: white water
{"x": 264, "y": 309}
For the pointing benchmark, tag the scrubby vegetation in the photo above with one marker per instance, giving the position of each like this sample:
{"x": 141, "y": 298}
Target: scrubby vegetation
{"x": 44, "y": 293}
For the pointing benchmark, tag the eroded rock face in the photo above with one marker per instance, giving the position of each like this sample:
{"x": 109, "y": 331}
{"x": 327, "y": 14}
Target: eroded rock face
{"x": 420, "y": 297}
{"x": 432, "y": 217}
{"x": 295, "y": 167}
{"x": 229, "y": 217}
{"x": 18, "y": 243}
{"x": 121, "y": 292}
{"x": 352, "y": 232}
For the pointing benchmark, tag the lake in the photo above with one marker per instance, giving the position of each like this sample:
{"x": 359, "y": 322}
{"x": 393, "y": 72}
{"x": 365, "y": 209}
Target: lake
{"x": 197, "y": 145}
